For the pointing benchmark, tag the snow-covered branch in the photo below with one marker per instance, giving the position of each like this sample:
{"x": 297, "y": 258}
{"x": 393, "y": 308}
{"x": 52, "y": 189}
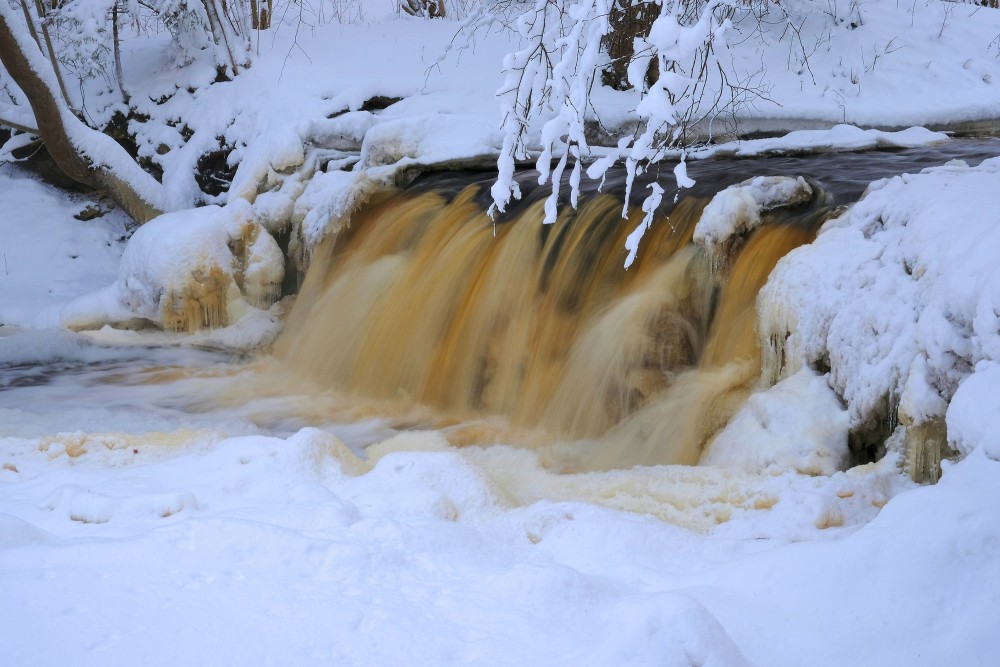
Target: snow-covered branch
{"x": 676, "y": 74}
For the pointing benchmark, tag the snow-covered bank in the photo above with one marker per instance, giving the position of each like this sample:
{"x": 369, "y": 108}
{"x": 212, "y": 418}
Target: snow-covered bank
{"x": 48, "y": 257}
{"x": 57, "y": 270}
{"x": 187, "y": 548}
{"x": 898, "y": 298}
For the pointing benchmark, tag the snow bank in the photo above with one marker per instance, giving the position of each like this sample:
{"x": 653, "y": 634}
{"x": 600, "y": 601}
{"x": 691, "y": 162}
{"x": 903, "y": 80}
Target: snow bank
{"x": 973, "y": 416}
{"x": 899, "y": 297}
{"x": 48, "y": 257}
{"x": 928, "y": 561}
{"x": 423, "y": 556}
{"x": 841, "y": 137}
{"x": 389, "y": 146}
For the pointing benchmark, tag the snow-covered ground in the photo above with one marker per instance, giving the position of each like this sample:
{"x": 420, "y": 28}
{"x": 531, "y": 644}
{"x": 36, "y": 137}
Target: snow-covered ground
{"x": 145, "y": 521}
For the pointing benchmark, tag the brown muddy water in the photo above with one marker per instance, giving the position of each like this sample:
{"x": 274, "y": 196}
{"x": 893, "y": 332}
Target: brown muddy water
{"x": 423, "y": 313}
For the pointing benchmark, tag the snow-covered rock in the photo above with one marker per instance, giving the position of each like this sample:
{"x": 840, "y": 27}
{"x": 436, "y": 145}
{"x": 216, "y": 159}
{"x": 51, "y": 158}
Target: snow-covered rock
{"x": 190, "y": 270}
{"x": 899, "y": 297}
{"x": 799, "y": 424}
{"x": 737, "y": 209}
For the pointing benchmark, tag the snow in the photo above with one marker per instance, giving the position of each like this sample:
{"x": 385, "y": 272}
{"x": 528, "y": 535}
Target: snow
{"x": 798, "y": 424}
{"x": 422, "y": 559}
{"x": 736, "y": 210}
{"x": 48, "y": 257}
{"x": 189, "y": 260}
{"x": 974, "y": 413}
{"x": 152, "y": 513}
{"x": 839, "y": 137}
{"x": 898, "y": 294}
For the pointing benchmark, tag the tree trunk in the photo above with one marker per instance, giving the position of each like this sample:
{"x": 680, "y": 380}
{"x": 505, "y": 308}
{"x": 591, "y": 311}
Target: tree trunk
{"x": 626, "y": 22}
{"x": 220, "y": 34}
{"x": 52, "y": 52}
{"x": 84, "y": 154}
{"x": 119, "y": 75}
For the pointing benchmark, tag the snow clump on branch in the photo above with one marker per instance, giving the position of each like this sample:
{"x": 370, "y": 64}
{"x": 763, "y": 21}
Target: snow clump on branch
{"x": 550, "y": 82}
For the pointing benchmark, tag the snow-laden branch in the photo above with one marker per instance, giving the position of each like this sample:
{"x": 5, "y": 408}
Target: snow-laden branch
{"x": 16, "y": 117}
{"x": 546, "y": 95}
{"x": 551, "y": 77}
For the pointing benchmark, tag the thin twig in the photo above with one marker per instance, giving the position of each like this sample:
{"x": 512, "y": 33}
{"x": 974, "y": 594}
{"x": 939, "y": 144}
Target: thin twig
{"x": 52, "y": 54}
{"x": 19, "y": 127}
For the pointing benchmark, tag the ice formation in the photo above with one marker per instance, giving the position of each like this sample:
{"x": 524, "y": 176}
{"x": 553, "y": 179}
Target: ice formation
{"x": 899, "y": 299}
{"x": 799, "y": 425}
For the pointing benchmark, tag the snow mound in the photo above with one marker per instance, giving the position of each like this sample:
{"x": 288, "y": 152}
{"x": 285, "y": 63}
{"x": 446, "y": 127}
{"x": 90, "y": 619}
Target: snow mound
{"x": 388, "y": 148}
{"x": 675, "y": 628}
{"x": 798, "y": 424}
{"x": 737, "y": 209}
{"x": 438, "y": 485}
{"x": 327, "y": 201}
{"x": 428, "y": 139}
{"x": 17, "y": 532}
{"x": 974, "y": 414}
{"x": 899, "y": 297}
{"x": 191, "y": 270}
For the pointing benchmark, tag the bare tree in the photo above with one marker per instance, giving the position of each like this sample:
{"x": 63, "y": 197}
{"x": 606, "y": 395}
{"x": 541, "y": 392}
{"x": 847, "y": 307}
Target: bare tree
{"x": 84, "y": 154}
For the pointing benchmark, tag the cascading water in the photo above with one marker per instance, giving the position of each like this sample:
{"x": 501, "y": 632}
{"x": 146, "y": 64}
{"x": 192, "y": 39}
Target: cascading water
{"x": 533, "y": 337}
{"x": 421, "y": 314}
{"x": 422, "y": 299}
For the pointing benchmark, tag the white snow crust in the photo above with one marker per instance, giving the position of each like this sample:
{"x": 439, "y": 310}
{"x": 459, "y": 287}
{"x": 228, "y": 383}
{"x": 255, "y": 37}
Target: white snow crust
{"x": 798, "y": 424}
{"x": 898, "y": 295}
{"x": 736, "y": 210}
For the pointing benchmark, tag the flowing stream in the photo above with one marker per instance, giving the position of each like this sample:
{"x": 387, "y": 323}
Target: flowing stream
{"x": 424, "y": 314}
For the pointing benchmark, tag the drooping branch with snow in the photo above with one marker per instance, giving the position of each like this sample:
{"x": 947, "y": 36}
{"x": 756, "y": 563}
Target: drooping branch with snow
{"x": 549, "y": 79}
{"x": 680, "y": 83}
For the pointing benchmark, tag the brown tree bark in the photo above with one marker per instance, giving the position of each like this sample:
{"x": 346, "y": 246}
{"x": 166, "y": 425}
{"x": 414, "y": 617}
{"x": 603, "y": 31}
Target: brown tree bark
{"x": 626, "y": 22}
{"x": 54, "y": 118}
{"x": 219, "y": 32}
